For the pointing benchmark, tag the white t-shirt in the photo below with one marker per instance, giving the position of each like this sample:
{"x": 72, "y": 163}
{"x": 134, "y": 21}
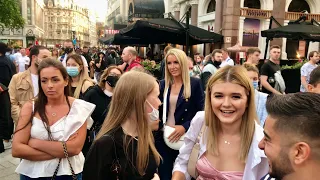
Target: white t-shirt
{"x": 228, "y": 61}
{"x": 64, "y": 61}
{"x": 35, "y": 84}
{"x": 22, "y": 62}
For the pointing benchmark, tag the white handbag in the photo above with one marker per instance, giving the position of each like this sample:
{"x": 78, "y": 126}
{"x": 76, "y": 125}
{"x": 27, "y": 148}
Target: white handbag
{"x": 167, "y": 129}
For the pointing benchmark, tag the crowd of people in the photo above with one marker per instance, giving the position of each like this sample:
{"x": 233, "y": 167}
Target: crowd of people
{"x": 101, "y": 115}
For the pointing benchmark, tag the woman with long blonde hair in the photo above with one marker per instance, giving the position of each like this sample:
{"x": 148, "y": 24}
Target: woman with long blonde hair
{"x": 80, "y": 80}
{"x": 184, "y": 97}
{"x": 230, "y": 132}
{"x": 124, "y": 147}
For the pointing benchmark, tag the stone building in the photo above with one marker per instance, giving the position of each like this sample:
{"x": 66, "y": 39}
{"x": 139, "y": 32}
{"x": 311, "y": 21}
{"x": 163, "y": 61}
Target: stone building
{"x": 33, "y": 32}
{"x": 66, "y": 20}
{"x": 237, "y": 20}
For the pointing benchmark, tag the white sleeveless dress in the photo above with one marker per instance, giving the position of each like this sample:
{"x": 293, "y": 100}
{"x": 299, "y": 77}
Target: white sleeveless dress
{"x": 80, "y": 112}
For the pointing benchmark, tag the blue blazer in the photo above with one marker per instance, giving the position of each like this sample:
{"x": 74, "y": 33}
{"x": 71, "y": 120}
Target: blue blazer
{"x": 186, "y": 109}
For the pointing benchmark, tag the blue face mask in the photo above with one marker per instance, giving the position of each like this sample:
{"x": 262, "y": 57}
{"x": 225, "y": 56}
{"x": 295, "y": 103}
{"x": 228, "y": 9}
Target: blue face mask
{"x": 73, "y": 71}
{"x": 255, "y": 85}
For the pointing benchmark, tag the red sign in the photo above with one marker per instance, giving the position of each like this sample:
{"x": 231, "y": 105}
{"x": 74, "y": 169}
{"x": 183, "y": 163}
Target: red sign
{"x": 112, "y": 31}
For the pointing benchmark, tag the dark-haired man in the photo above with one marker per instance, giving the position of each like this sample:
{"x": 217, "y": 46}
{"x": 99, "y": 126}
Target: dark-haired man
{"x": 271, "y": 79}
{"x": 292, "y": 138}
{"x": 253, "y": 56}
{"x": 211, "y": 66}
{"x": 24, "y": 86}
{"x": 314, "y": 81}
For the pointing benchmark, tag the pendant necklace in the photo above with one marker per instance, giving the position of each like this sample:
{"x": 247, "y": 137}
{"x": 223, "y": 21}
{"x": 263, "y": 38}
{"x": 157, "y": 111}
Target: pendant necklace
{"x": 227, "y": 142}
{"x": 53, "y": 114}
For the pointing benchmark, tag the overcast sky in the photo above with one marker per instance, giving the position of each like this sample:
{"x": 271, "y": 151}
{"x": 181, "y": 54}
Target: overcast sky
{"x": 99, "y": 6}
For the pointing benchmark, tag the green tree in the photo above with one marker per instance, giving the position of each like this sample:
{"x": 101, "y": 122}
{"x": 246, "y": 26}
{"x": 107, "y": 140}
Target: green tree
{"x": 10, "y": 15}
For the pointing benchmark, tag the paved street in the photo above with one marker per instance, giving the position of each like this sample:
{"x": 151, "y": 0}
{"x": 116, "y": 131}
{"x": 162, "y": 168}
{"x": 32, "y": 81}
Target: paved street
{"x": 8, "y": 165}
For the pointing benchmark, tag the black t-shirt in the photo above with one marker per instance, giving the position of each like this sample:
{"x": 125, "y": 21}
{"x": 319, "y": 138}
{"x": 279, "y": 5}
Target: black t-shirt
{"x": 100, "y": 159}
{"x": 7, "y": 70}
{"x": 269, "y": 69}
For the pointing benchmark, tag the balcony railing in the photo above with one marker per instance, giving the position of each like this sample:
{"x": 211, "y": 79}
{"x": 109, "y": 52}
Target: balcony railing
{"x": 266, "y": 14}
{"x": 295, "y": 16}
{"x": 255, "y": 13}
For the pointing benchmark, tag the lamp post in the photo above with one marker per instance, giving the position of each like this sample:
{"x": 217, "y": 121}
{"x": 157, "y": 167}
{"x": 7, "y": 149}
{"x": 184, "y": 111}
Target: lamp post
{"x": 187, "y": 29}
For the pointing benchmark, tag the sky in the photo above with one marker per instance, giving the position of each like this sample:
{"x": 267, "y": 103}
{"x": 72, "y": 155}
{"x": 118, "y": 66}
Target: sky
{"x": 98, "y": 6}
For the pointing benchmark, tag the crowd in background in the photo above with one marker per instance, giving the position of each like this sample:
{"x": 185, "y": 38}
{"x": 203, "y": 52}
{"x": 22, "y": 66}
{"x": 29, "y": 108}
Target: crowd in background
{"x": 100, "y": 114}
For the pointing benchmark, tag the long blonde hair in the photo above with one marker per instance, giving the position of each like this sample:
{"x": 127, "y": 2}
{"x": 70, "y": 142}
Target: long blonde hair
{"x": 82, "y": 75}
{"x": 129, "y": 97}
{"x": 183, "y": 62}
{"x": 236, "y": 75}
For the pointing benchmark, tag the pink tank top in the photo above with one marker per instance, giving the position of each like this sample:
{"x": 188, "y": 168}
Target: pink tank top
{"x": 207, "y": 172}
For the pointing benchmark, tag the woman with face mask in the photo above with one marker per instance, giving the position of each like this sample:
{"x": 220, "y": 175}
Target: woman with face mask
{"x": 260, "y": 98}
{"x": 124, "y": 147}
{"x": 80, "y": 80}
{"x": 100, "y": 95}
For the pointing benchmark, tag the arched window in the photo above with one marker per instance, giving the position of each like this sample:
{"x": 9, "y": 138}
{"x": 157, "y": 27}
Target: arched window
{"x": 255, "y": 4}
{"x": 298, "y": 6}
{"x": 211, "y": 6}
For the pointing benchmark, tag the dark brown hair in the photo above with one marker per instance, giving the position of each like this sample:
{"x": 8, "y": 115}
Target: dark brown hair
{"x": 296, "y": 114}
{"x": 34, "y": 51}
{"x": 214, "y": 52}
{"x": 41, "y": 101}
{"x": 274, "y": 47}
{"x": 311, "y": 54}
{"x": 315, "y": 77}
{"x": 253, "y": 50}
{"x": 105, "y": 74}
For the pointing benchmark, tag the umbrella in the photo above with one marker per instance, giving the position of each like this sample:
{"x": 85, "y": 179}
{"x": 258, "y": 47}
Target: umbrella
{"x": 119, "y": 39}
{"x": 302, "y": 31}
{"x": 158, "y": 31}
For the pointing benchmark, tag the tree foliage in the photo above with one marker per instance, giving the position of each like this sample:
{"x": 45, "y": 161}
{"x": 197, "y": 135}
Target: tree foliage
{"x": 10, "y": 15}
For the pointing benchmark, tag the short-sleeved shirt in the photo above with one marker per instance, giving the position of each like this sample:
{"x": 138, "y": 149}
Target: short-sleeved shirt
{"x": 269, "y": 69}
{"x": 306, "y": 71}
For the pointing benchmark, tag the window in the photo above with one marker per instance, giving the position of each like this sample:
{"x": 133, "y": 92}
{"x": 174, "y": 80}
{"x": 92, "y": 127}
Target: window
{"x": 255, "y": 4}
{"x": 298, "y": 6}
{"x": 211, "y": 6}
{"x": 29, "y": 10}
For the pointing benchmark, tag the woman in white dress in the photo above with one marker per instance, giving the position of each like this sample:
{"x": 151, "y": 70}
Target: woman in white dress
{"x": 52, "y": 128}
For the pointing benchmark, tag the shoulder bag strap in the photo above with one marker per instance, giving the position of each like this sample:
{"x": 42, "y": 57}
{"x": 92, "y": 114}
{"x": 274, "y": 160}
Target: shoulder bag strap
{"x": 194, "y": 154}
{"x": 65, "y": 151}
{"x": 164, "y": 111}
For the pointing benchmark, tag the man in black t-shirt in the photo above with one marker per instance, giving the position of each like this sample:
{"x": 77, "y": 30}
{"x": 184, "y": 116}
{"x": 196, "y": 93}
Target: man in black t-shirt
{"x": 269, "y": 70}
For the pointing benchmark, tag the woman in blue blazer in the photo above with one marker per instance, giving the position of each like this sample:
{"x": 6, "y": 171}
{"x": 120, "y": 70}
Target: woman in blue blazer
{"x": 185, "y": 97}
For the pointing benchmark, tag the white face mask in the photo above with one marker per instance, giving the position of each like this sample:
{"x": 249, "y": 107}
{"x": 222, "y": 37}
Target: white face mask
{"x": 108, "y": 93}
{"x": 154, "y": 115}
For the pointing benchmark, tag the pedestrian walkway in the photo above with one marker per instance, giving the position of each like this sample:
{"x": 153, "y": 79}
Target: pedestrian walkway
{"x": 8, "y": 165}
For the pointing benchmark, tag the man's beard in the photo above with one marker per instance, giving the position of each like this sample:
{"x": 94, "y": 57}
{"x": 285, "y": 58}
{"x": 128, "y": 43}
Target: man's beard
{"x": 281, "y": 167}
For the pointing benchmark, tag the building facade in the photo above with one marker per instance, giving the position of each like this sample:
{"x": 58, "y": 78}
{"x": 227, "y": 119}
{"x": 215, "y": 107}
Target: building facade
{"x": 239, "y": 21}
{"x": 65, "y": 20}
{"x": 33, "y": 32}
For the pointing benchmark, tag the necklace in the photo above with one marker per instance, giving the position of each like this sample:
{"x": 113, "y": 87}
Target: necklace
{"x": 129, "y": 134}
{"x": 227, "y": 142}
{"x": 53, "y": 113}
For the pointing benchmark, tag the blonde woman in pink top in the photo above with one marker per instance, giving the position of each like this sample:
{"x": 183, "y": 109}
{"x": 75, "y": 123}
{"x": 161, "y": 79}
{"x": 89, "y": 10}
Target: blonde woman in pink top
{"x": 229, "y": 144}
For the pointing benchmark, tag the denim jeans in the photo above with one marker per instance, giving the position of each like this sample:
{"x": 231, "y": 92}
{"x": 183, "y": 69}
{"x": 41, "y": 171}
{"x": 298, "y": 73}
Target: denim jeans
{"x": 64, "y": 177}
